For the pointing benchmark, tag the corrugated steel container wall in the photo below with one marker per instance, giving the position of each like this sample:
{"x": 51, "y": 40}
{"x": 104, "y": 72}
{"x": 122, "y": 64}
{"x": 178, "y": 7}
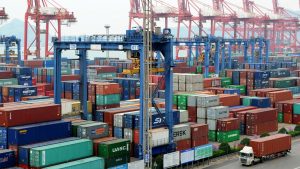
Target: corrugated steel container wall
{"x": 271, "y": 144}
{"x": 8, "y": 158}
{"x": 114, "y": 149}
{"x": 217, "y": 112}
{"x": 228, "y": 136}
{"x": 202, "y": 112}
{"x": 35, "y": 133}
{"x": 207, "y": 101}
{"x": 118, "y": 132}
{"x": 3, "y": 138}
{"x": 199, "y": 134}
{"x": 76, "y": 124}
{"x": 261, "y": 115}
{"x": 227, "y": 124}
{"x": 159, "y": 137}
{"x": 128, "y": 134}
{"x": 61, "y": 152}
{"x": 184, "y": 116}
{"x": 183, "y": 144}
{"x": 118, "y": 120}
{"x": 89, "y": 163}
{"x": 29, "y": 114}
{"x": 181, "y": 132}
{"x": 93, "y": 130}
{"x": 212, "y": 124}
{"x": 261, "y": 128}
{"x": 24, "y": 151}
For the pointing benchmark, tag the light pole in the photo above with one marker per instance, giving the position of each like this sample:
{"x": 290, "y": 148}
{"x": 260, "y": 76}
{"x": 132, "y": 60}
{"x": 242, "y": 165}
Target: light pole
{"x": 107, "y": 33}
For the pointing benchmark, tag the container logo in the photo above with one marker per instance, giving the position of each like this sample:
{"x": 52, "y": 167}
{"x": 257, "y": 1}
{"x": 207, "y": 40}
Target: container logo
{"x": 118, "y": 149}
{"x": 23, "y": 131}
{"x": 179, "y": 133}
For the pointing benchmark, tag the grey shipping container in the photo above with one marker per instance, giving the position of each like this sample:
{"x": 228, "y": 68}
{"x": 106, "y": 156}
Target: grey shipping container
{"x": 207, "y": 101}
{"x": 217, "y": 112}
{"x": 93, "y": 130}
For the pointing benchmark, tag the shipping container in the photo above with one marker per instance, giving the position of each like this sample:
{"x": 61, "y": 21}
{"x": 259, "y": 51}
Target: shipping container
{"x": 62, "y": 152}
{"x": 7, "y": 158}
{"x": 228, "y": 136}
{"x": 40, "y": 132}
{"x": 76, "y": 124}
{"x": 159, "y": 137}
{"x": 217, "y": 112}
{"x": 88, "y": 163}
{"x": 28, "y": 114}
{"x": 207, "y": 101}
{"x": 227, "y": 124}
{"x": 271, "y": 144}
{"x": 93, "y": 130}
{"x": 24, "y": 151}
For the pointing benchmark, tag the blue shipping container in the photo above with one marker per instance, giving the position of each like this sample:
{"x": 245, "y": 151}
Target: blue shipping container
{"x": 40, "y": 132}
{"x": 7, "y": 158}
{"x": 261, "y": 102}
{"x": 118, "y": 132}
{"x": 3, "y": 138}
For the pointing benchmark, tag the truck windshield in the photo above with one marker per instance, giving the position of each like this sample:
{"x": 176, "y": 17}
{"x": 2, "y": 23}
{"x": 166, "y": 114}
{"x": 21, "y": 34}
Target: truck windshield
{"x": 246, "y": 155}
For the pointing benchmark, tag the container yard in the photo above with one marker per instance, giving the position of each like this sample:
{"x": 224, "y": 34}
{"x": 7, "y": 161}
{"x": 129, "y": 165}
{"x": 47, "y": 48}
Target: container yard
{"x": 211, "y": 84}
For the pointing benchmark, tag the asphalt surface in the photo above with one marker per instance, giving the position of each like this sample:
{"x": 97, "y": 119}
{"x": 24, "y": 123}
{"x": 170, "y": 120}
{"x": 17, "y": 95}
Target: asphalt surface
{"x": 291, "y": 161}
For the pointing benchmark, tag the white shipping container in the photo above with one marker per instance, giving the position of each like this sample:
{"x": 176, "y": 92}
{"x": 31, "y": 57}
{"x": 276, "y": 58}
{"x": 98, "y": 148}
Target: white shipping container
{"x": 184, "y": 116}
{"x": 193, "y": 78}
{"x": 194, "y": 87}
{"x": 181, "y": 87}
{"x": 192, "y": 100}
{"x": 181, "y": 132}
{"x": 202, "y": 112}
{"x": 66, "y": 108}
{"x": 171, "y": 159}
{"x": 201, "y": 121}
{"x": 136, "y": 165}
{"x": 208, "y": 101}
{"x": 118, "y": 120}
{"x": 181, "y": 78}
{"x": 128, "y": 134}
{"x": 159, "y": 136}
{"x": 175, "y": 87}
{"x": 217, "y": 112}
{"x": 175, "y": 78}
{"x": 212, "y": 124}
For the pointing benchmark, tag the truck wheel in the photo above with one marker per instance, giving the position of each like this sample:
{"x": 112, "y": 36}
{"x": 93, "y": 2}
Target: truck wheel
{"x": 252, "y": 164}
{"x": 261, "y": 160}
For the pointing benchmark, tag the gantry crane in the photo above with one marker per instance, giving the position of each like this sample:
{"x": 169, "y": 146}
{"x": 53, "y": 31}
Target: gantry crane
{"x": 44, "y": 12}
{"x": 3, "y": 14}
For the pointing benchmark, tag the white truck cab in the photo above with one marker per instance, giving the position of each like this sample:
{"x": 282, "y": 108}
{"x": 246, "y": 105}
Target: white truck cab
{"x": 247, "y": 156}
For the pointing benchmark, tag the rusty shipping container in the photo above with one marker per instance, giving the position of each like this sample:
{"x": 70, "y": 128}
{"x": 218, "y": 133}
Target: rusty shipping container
{"x": 29, "y": 114}
{"x": 228, "y": 124}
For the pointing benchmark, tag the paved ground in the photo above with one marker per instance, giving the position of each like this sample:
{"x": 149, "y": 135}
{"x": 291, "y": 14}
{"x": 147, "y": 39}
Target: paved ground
{"x": 291, "y": 161}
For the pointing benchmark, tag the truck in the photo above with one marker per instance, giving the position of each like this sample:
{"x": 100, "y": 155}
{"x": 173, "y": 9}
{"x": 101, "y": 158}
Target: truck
{"x": 265, "y": 148}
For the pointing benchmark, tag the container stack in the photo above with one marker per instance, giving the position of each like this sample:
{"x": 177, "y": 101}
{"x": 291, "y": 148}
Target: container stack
{"x": 104, "y": 95}
{"x": 187, "y": 82}
{"x": 182, "y": 136}
{"x": 129, "y": 88}
{"x": 261, "y": 121}
{"x": 228, "y": 130}
{"x": 71, "y": 90}
{"x": 97, "y": 73}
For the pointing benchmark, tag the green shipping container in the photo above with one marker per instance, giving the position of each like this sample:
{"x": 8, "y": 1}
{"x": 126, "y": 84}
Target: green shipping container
{"x": 107, "y": 99}
{"x": 59, "y": 153}
{"x": 113, "y": 162}
{"x": 105, "y": 76}
{"x": 199, "y": 70}
{"x": 88, "y": 163}
{"x": 114, "y": 148}
{"x": 229, "y": 136}
{"x": 182, "y": 100}
{"x": 175, "y": 99}
{"x": 11, "y": 81}
{"x": 203, "y": 152}
{"x": 226, "y": 81}
{"x": 247, "y": 101}
{"x": 280, "y": 117}
{"x": 296, "y": 108}
{"x": 66, "y": 71}
{"x": 212, "y": 135}
{"x": 76, "y": 124}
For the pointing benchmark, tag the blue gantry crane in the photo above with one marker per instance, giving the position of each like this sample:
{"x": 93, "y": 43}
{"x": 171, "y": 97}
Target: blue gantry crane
{"x": 11, "y": 43}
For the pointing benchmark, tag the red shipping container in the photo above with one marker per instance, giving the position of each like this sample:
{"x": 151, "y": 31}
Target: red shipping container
{"x": 6, "y": 74}
{"x": 68, "y": 95}
{"x": 183, "y": 145}
{"x": 229, "y": 100}
{"x": 280, "y": 95}
{"x": 228, "y": 124}
{"x": 271, "y": 144}
{"x": 34, "y": 81}
{"x": 136, "y": 136}
{"x": 242, "y": 116}
{"x": 69, "y": 78}
{"x": 199, "y": 130}
{"x": 29, "y": 114}
{"x": 296, "y": 119}
{"x": 236, "y": 110}
{"x": 103, "y": 69}
{"x": 192, "y": 114}
{"x": 287, "y": 118}
{"x": 107, "y": 88}
{"x": 100, "y": 140}
{"x": 261, "y": 128}
{"x": 199, "y": 141}
{"x": 261, "y": 115}
{"x": 263, "y": 92}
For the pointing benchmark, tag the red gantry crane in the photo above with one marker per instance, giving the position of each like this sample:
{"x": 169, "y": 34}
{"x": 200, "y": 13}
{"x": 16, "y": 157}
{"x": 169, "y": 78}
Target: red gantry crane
{"x": 3, "y": 14}
{"x": 44, "y": 13}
